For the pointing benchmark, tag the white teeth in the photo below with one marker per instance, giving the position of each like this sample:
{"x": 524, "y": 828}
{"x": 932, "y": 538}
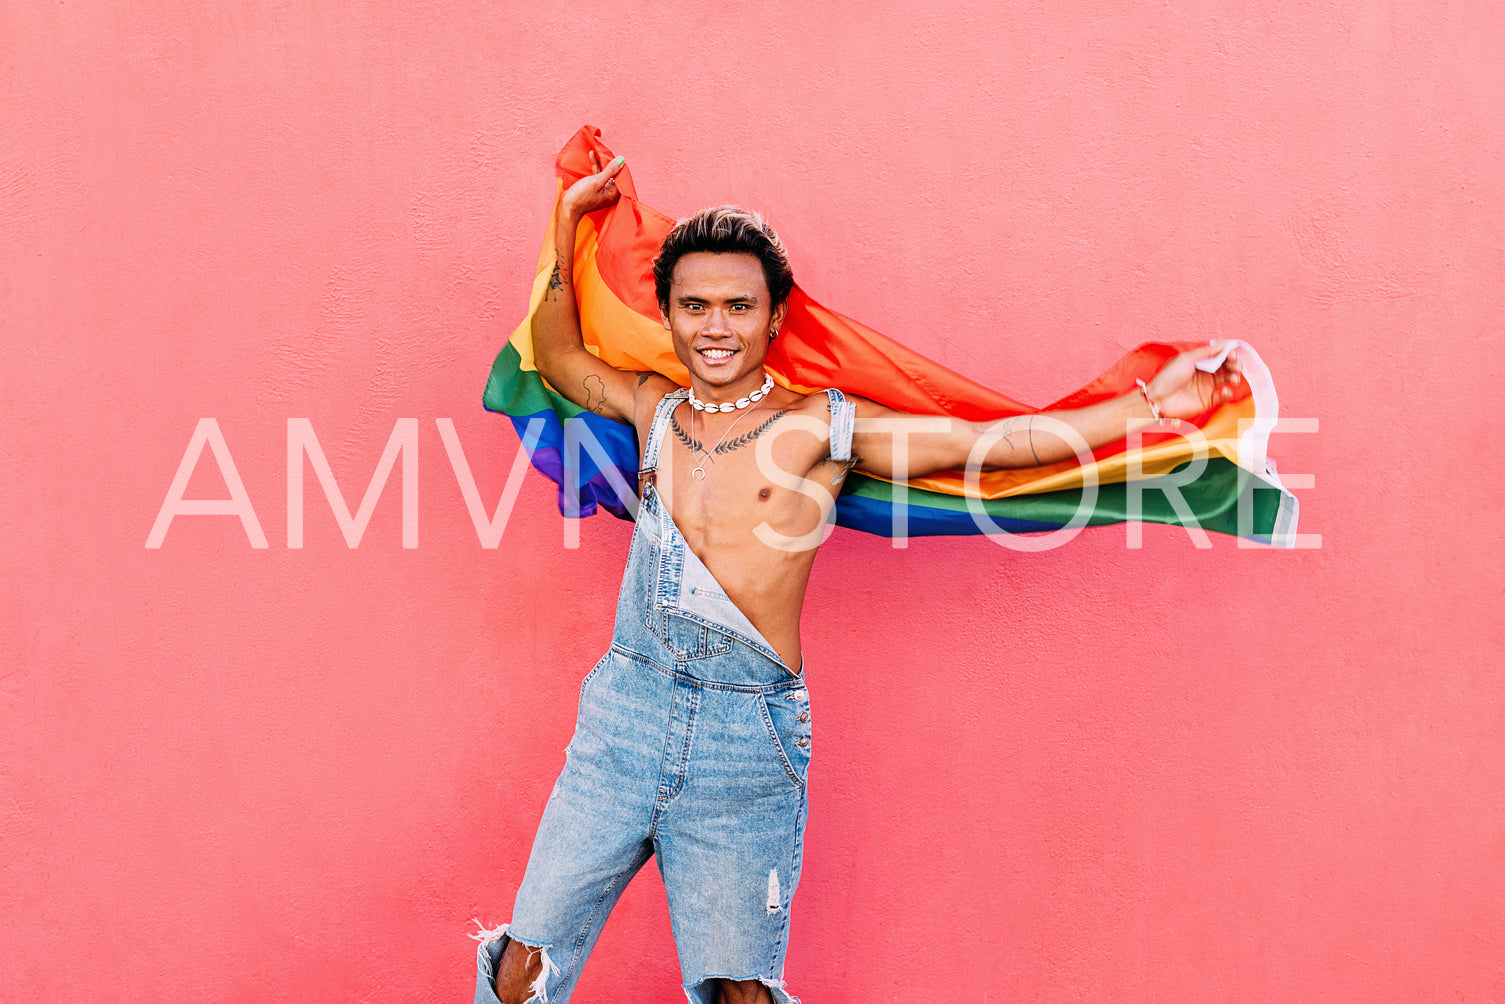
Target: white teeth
{"x": 716, "y": 353}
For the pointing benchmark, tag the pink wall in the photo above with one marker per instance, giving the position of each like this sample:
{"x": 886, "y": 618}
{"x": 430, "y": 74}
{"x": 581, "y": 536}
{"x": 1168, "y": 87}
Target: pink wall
{"x": 1093, "y": 774}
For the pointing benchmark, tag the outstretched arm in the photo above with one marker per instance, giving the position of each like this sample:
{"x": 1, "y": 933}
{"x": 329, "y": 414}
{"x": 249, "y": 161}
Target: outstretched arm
{"x": 918, "y": 445}
{"x": 559, "y": 350}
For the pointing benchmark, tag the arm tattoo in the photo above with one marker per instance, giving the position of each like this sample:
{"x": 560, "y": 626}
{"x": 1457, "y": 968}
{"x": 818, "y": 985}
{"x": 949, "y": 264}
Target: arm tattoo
{"x": 1006, "y": 430}
{"x": 556, "y": 280}
{"x": 595, "y": 394}
{"x": 643, "y": 377}
{"x": 1008, "y": 427}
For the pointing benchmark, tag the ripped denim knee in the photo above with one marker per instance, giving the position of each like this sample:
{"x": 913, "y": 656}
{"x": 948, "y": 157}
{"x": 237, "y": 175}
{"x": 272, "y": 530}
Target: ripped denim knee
{"x": 707, "y": 991}
{"x": 489, "y": 957}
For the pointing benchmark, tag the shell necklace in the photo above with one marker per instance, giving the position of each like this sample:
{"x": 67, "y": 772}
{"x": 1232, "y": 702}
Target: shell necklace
{"x": 740, "y": 403}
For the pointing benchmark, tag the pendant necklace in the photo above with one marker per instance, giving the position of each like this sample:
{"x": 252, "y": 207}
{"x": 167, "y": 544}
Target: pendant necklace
{"x": 700, "y": 473}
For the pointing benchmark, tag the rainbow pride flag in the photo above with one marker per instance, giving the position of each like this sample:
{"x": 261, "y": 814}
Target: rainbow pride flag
{"x": 1213, "y": 473}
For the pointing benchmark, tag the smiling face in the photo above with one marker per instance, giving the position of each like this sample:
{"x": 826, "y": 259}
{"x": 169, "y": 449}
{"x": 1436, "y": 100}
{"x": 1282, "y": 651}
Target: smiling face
{"x": 720, "y": 315}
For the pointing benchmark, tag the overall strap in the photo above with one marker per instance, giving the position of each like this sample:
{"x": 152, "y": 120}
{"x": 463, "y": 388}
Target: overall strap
{"x": 648, "y": 475}
{"x": 843, "y": 415}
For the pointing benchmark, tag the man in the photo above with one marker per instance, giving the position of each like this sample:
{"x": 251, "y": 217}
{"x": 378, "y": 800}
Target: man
{"x": 693, "y": 735}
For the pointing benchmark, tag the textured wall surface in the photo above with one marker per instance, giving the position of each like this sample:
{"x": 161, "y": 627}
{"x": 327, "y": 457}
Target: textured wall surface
{"x": 1095, "y": 773}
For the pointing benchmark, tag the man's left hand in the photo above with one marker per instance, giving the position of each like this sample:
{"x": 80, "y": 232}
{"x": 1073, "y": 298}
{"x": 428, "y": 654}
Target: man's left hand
{"x": 1181, "y": 390}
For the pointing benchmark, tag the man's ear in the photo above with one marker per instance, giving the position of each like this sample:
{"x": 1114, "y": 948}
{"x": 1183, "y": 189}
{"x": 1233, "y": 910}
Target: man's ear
{"x": 777, "y": 320}
{"x": 664, "y": 317}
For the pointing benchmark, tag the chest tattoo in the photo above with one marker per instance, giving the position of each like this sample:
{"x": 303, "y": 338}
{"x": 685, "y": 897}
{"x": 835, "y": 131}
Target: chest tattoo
{"x": 735, "y": 443}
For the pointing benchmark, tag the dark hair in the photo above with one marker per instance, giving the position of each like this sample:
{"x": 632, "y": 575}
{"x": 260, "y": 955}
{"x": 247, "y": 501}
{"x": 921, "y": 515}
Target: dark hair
{"x": 724, "y": 230}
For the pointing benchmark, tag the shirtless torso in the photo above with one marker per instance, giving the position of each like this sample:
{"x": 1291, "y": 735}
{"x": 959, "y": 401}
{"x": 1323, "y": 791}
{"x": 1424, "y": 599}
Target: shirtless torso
{"x": 722, "y": 513}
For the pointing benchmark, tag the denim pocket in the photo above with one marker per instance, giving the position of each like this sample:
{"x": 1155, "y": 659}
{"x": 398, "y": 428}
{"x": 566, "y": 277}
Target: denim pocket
{"x": 787, "y": 716}
{"x": 686, "y": 638}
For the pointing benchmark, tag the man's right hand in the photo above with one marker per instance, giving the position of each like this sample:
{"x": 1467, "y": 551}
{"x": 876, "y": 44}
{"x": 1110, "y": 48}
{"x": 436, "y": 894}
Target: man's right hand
{"x": 559, "y": 351}
{"x": 594, "y": 191}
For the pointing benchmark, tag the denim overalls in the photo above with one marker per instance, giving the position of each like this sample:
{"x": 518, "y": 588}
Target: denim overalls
{"x": 692, "y": 743}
